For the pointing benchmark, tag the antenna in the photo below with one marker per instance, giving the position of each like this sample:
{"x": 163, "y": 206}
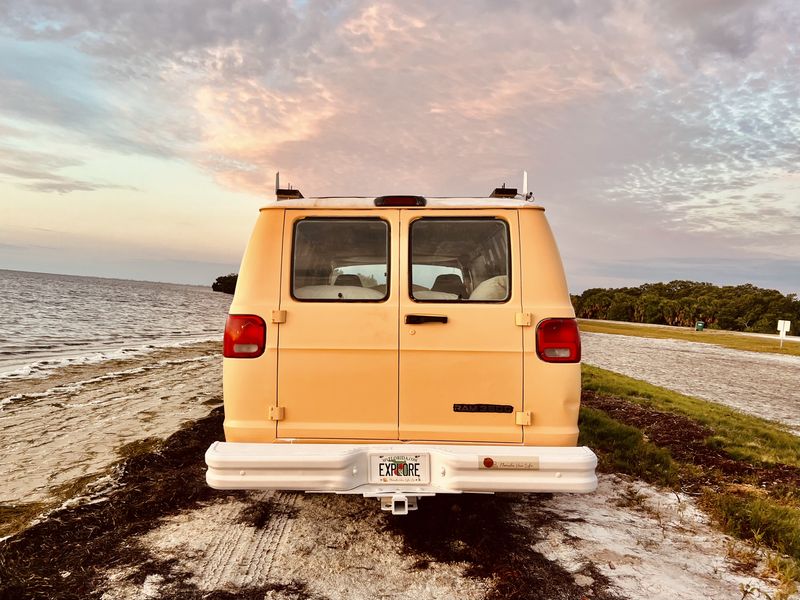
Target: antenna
{"x": 525, "y": 193}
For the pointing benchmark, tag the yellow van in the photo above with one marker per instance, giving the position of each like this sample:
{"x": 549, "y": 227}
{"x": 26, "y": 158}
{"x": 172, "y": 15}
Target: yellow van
{"x": 400, "y": 347}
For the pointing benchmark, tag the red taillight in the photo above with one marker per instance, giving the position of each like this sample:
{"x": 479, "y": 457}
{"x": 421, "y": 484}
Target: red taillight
{"x": 558, "y": 340}
{"x": 245, "y": 336}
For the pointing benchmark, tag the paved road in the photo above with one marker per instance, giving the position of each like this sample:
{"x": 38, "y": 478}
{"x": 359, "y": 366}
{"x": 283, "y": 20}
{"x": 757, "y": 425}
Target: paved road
{"x": 790, "y": 339}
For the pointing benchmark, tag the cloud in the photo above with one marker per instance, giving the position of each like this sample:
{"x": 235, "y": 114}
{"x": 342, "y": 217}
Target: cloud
{"x": 733, "y": 27}
{"x": 364, "y": 87}
{"x": 40, "y": 172}
{"x": 649, "y": 127}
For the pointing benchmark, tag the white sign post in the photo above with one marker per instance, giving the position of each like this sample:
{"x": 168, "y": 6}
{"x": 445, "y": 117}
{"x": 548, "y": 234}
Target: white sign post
{"x": 783, "y": 329}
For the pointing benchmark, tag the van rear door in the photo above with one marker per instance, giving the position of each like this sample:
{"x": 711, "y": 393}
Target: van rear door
{"x": 338, "y": 348}
{"x": 460, "y": 347}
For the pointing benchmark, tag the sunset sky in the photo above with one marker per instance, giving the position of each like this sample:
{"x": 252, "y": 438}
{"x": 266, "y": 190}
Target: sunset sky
{"x": 138, "y": 138}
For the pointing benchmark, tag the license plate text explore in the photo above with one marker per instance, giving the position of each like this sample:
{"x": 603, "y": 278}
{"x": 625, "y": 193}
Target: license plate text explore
{"x": 399, "y": 468}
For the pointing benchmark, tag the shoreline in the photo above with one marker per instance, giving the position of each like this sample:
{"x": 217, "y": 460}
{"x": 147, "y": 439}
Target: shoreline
{"x": 47, "y": 366}
{"x": 60, "y": 431}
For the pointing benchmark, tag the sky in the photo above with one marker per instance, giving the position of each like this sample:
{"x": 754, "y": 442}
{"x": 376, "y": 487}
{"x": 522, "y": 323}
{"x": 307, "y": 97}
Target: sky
{"x": 138, "y": 139}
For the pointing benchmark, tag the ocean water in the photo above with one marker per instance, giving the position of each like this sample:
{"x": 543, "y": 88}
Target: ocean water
{"x": 48, "y": 321}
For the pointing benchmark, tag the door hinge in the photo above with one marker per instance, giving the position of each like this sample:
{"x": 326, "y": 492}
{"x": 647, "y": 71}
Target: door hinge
{"x": 523, "y": 319}
{"x": 276, "y": 413}
{"x": 523, "y": 417}
{"x": 279, "y": 316}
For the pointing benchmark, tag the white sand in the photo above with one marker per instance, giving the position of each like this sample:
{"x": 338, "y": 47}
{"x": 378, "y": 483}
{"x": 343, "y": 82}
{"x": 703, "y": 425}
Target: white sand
{"x": 650, "y": 544}
{"x": 332, "y": 545}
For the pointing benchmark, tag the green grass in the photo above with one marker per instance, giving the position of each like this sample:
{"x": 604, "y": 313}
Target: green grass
{"x": 770, "y": 518}
{"x": 622, "y": 449}
{"x": 729, "y": 339}
{"x": 742, "y": 436}
{"x": 751, "y": 517}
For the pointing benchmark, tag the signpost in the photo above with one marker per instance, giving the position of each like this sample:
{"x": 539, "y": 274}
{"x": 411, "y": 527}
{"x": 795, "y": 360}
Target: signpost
{"x": 783, "y": 329}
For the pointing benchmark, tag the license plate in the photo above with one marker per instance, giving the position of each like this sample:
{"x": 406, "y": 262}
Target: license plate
{"x": 399, "y": 468}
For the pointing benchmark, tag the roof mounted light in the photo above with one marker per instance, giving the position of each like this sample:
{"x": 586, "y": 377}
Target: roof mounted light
{"x": 400, "y": 201}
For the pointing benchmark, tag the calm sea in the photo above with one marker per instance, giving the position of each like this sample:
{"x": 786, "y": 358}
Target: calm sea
{"x": 47, "y": 321}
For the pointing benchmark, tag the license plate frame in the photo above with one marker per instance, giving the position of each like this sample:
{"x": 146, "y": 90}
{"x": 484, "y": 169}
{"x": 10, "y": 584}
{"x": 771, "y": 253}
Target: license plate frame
{"x": 390, "y": 468}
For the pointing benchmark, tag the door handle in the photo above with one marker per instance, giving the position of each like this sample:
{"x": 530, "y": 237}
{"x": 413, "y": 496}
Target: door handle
{"x": 420, "y": 319}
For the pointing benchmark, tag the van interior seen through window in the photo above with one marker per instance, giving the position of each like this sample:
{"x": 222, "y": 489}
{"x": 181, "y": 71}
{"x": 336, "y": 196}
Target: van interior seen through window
{"x": 341, "y": 260}
{"x": 459, "y": 260}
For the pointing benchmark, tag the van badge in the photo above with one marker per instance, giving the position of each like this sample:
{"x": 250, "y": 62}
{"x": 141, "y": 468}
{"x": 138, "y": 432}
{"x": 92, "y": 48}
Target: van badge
{"x": 483, "y": 408}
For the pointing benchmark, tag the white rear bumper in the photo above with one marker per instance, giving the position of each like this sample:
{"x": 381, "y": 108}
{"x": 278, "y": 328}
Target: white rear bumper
{"x": 344, "y": 468}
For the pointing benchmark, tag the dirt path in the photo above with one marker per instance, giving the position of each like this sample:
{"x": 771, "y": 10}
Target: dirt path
{"x": 761, "y": 384}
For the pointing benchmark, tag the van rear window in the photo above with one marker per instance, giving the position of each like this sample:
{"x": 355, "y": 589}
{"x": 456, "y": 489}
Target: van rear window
{"x": 460, "y": 260}
{"x": 340, "y": 260}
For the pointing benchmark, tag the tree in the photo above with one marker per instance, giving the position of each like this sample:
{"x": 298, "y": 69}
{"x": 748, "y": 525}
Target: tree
{"x": 225, "y": 283}
{"x": 742, "y": 307}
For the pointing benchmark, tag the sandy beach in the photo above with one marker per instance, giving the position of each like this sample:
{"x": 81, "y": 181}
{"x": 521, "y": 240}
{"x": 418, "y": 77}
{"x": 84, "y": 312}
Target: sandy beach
{"x": 62, "y": 430}
{"x": 155, "y": 530}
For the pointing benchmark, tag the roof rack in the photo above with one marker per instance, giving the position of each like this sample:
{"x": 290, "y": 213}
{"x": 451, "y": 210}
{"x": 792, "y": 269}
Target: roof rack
{"x": 286, "y": 193}
{"x": 504, "y": 192}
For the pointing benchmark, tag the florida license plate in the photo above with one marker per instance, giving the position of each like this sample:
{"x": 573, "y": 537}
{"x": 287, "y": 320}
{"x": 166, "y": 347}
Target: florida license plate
{"x": 400, "y": 468}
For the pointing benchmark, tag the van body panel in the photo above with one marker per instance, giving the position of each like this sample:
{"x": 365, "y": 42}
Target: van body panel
{"x": 337, "y": 367}
{"x": 552, "y": 391}
{"x": 473, "y": 359}
{"x": 250, "y": 385}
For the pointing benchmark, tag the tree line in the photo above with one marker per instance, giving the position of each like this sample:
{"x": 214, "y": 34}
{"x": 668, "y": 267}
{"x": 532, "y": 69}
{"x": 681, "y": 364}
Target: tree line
{"x": 683, "y": 303}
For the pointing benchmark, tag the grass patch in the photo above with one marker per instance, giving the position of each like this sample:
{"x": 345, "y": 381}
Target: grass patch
{"x": 744, "y": 468}
{"x": 761, "y": 520}
{"x": 741, "y": 436}
{"x": 728, "y": 339}
{"x": 623, "y": 449}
